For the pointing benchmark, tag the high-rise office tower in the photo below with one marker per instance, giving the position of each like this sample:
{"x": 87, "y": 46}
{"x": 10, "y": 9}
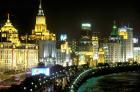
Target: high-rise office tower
{"x": 63, "y": 55}
{"x": 114, "y": 46}
{"x": 126, "y": 35}
{"x": 95, "y": 42}
{"x": 85, "y": 45}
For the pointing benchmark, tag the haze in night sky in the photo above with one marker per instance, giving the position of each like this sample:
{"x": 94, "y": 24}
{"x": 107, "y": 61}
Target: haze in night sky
{"x": 67, "y": 16}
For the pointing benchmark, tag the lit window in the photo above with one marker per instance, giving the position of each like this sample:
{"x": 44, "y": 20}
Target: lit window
{"x": 3, "y": 35}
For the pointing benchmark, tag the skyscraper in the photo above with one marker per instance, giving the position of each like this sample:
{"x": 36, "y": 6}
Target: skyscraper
{"x": 114, "y": 45}
{"x": 63, "y": 55}
{"x": 95, "y": 42}
{"x": 126, "y": 35}
{"x": 85, "y": 45}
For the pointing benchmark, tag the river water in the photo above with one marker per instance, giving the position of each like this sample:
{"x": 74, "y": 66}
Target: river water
{"x": 121, "y": 82}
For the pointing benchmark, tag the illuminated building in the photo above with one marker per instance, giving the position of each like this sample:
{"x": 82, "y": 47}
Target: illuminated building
{"x": 47, "y": 51}
{"x": 15, "y": 55}
{"x": 120, "y": 45}
{"x": 127, "y": 42}
{"x": 85, "y": 45}
{"x": 73, "y": 45}
{"x": 46, "y": 40}
{"x": 9, "y": 33}
{"x": 95, "y": 42}
{"x": 123, "y": 33}
{"x": 136, "y": 50}
{"x": 137, "y": 54}
{"x": 114, "y": 52}
{"x": 74, "y": 55}
{"x": 106, "y": 48}
{"x": 114, "y": 46}
{"x": 86, "y": 32}
{"x": 101, "y": 58}
{"x": 64, "y": 51}
{"x": 41, "y": 31}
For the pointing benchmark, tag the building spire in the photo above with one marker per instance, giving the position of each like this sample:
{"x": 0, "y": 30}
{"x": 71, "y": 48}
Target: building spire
{"x": 114, "y": 31}
{"x": 8, "y": 17}
{"x": 114, "y": 25}
{"x": 40, "y": 5}
{"x": 8, "y": 23}
{"x": 40, "y": 11}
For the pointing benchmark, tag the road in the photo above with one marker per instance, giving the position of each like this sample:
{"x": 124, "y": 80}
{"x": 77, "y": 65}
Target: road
{"x": 12, "y": 79}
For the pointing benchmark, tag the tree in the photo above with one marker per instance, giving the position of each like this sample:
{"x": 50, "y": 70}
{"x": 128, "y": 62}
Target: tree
{"x": 41, "y": 64}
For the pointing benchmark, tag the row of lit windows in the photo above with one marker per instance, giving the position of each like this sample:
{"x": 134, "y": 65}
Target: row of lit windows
{"x": 9, "y": 56}
{"x": 10, "y": 35}
{"x": 5, "y": 52}
{"x": 6, "y": 60}
{"x": 22, "y": 46}
{"x": 3, "y": 35}
{"x": 4, "y": 56}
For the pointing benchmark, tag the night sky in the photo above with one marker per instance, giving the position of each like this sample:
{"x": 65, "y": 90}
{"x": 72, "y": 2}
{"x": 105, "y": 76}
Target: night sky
{"x": 67, "y": 16}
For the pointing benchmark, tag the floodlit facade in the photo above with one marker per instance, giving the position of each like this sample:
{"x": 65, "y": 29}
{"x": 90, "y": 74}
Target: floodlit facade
{"x": 47, "y": 52}
{"x": 137, "y": 54}
{"x": 66, "y": 52}
{"x": 44, "y": 38}
{"x": 86, "y": 45}
{"x": 126, "y": 34}
{"x": 114, "y": 53}
{"x": 15, "y": 55}
{"x": 120, "y": 45}
{"x": 113, "y": 47}
{"x": 101, "y": 56}
{"x": 95, "y": 42}
{"x": 41, "y": 32}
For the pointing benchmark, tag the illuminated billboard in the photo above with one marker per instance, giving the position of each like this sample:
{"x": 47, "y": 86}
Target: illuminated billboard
{"x": 37, "y": 71}
{"x": 86, "y": 26}
{"x": 63, "y": 37}
{"x": 135, "y": 40}
{"x": 123, "y": 33}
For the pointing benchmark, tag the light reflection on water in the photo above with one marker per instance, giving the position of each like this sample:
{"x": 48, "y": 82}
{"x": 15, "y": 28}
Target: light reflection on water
{"x": 121, "y": 82}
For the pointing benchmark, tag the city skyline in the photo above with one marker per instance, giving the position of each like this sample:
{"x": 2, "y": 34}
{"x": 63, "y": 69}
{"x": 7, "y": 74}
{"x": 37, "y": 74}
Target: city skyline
{"x": 57, "y": 46}
{"x": 66, "y": 17}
